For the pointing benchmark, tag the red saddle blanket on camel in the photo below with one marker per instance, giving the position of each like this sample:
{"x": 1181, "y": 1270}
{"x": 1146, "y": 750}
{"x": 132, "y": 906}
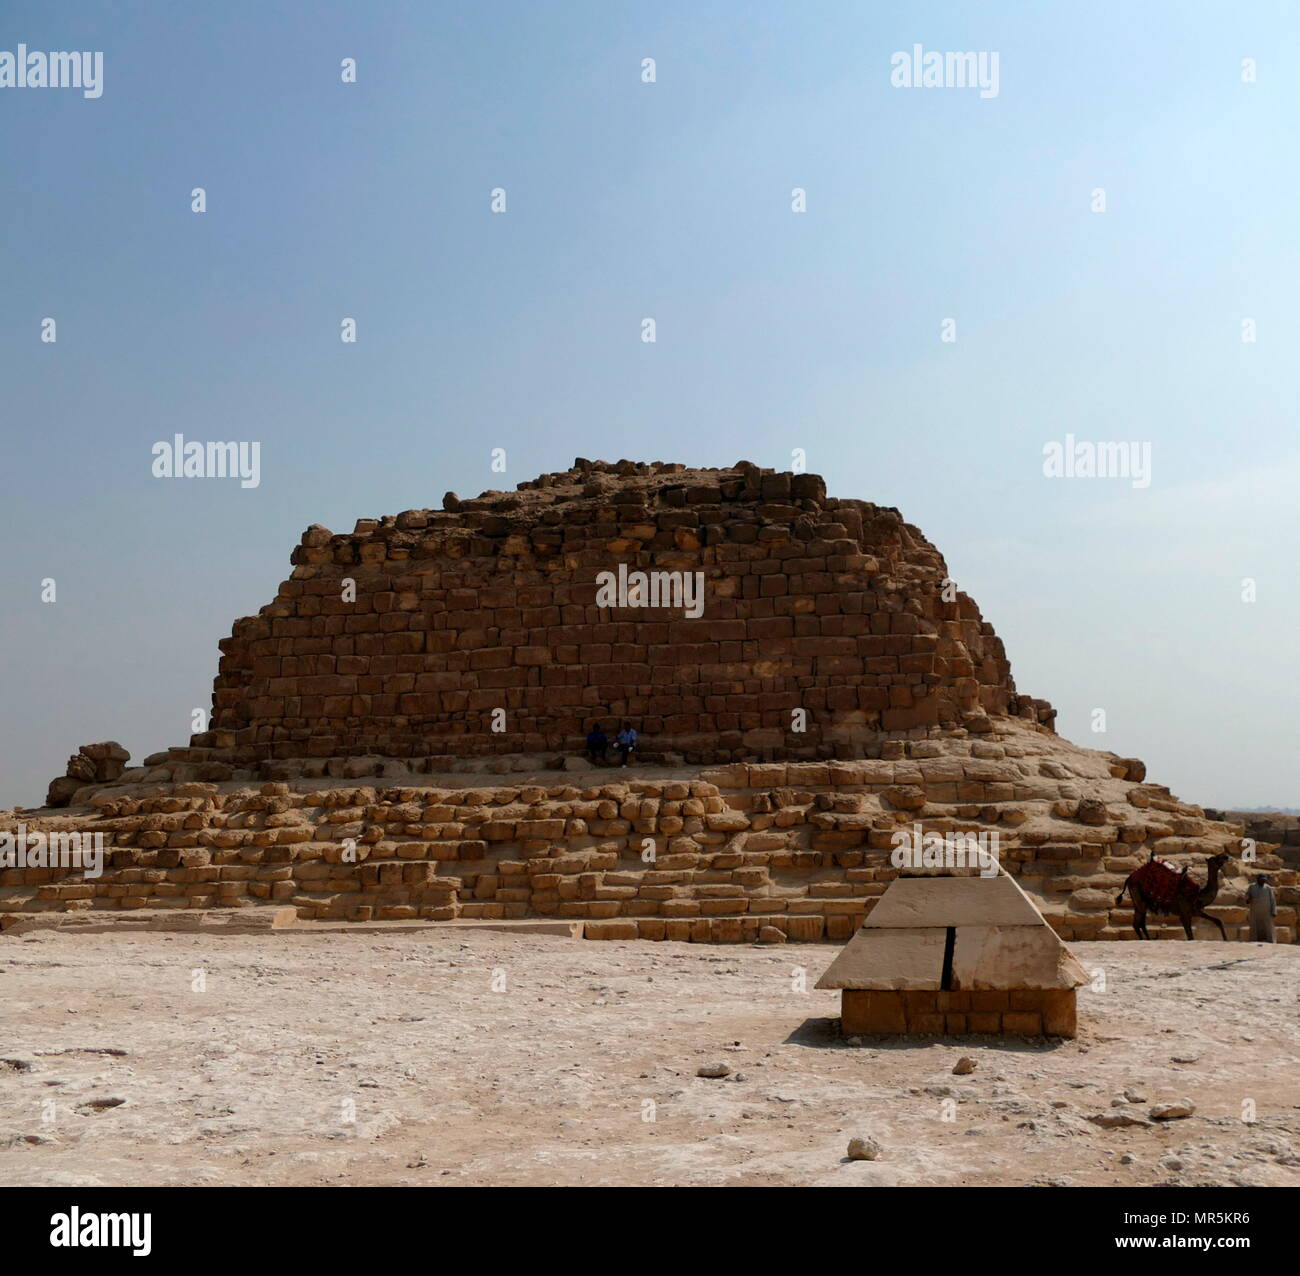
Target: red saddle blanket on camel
{"x": 1163, "y": 885}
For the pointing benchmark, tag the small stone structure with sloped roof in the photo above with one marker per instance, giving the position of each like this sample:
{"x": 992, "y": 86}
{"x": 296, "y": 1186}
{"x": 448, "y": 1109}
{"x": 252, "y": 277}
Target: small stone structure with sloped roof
{"x": 956, "y": 955}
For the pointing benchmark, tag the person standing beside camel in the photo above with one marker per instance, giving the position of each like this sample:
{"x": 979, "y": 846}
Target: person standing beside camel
{"x": 1261, "y": 899}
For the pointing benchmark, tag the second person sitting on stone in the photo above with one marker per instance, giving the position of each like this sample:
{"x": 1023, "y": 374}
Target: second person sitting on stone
{"x": 597, "y": 744}
{"x": 626, "y": 742}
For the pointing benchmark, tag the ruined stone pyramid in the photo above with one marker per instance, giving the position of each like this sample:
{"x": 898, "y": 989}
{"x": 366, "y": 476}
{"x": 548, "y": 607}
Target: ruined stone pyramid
{"x": 398, "y": 734}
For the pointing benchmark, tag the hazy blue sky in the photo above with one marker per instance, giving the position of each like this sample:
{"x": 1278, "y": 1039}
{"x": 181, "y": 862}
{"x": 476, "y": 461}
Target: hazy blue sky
{"x": 775, "y": 329}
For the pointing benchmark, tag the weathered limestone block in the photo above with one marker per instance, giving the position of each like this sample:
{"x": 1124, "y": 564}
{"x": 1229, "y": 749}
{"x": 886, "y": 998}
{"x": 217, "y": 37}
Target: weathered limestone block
{"x": 102, "y": 762}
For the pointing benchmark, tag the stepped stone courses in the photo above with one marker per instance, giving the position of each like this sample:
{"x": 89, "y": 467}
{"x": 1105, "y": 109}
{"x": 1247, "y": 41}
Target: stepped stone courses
{"x": 1275, "y": 828}
{"x": 832, "y": 606}
{"x": 776, "y": 851}
{"x": 351, "y": 772}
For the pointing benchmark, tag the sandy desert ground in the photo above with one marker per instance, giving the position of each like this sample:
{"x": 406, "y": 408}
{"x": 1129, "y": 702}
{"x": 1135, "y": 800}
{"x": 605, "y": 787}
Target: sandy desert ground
{"x": 456, "y": 1056}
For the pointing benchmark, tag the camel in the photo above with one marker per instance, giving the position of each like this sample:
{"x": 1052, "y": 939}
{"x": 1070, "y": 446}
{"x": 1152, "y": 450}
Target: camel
{"x": 1188, "y": 900}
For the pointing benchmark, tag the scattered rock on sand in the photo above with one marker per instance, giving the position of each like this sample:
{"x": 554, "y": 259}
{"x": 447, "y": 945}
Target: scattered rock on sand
{"x": 715, "y": 1069}
{"x": 963, "y": 1066}
{"x": 1175, "y": 1111}
{"x": 1116, "y": 1120}
{"x": 104, "y": 1103}
{"x": 864, "y": 1149}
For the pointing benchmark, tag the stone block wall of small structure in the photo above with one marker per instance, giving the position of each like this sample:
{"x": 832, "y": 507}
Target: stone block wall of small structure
{"x": 744, "y": 852}
{"x": 1029, "y": 1012}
